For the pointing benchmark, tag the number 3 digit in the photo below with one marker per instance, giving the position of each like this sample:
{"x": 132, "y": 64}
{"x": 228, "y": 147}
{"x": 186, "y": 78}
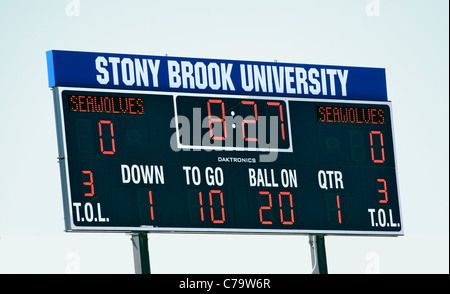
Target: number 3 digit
{"x": 383, "y": 191}
{"x": 90, "y": 183}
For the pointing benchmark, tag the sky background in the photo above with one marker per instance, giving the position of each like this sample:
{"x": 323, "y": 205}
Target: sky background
{"x": 407, "y": 37}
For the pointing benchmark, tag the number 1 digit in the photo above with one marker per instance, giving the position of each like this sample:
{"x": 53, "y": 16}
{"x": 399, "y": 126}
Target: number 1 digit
{"x": 150, "y": 200}
{"x": 339, "y": 208}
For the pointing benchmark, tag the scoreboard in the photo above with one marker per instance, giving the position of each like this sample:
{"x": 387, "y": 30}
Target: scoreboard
{"x": 196, "y": 148}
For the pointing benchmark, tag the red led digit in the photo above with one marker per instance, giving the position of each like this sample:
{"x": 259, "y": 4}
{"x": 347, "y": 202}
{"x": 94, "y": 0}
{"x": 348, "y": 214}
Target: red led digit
{"x": 265, "y": 222}
{"x": 216, "y": 221}
{"x": 339, "y": 208}
{"x": 217, "y": 119}
{"x": 383, "y": 191}
{"x": 285, "y": 222}
{"x": 280, "y": 106}
{"x": 201, "y": 206}
{"x": 150, "y": 200}
{"x": 90, "y": 183}
{"x": 250, "y": 121}
{"x": 372, "y": 133}
{"x": 111, "y": 128}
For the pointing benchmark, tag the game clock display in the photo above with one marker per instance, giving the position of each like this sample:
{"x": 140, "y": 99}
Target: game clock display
{"x": 184, "y": 162}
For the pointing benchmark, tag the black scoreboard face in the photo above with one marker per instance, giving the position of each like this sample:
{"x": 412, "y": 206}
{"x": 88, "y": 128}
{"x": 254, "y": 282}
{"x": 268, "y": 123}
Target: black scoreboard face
{"x": 149, "y": 161}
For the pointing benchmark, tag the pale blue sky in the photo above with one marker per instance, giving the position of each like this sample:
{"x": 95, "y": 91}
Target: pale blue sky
{"x": 408, "y": 38}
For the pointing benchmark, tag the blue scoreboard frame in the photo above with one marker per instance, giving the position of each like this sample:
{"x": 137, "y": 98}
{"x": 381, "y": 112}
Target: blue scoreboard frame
{"x": 202, "y": 145}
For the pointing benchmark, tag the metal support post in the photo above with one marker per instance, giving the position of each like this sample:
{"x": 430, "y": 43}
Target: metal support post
{"x": 140, "y": 253}
{"x": 318, "y": 254}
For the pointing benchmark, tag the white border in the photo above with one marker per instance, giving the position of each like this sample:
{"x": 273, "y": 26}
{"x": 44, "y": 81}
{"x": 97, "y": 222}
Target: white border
{"x": 67, "y": 199}
{"x": 225, "y": 148}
